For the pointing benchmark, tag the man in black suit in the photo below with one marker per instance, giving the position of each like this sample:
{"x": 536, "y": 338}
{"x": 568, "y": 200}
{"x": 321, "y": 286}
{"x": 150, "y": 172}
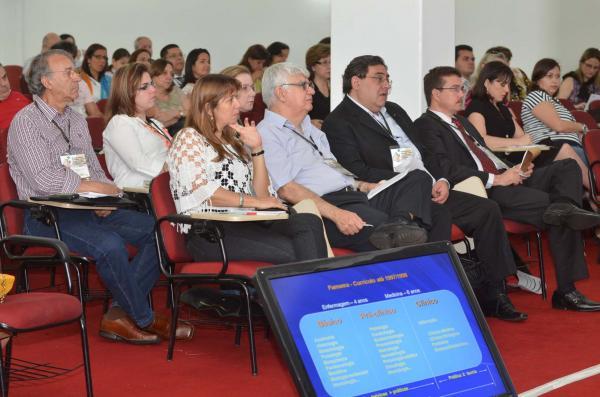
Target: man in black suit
{"x": 548, "y": 197}
{"x": 365, "y": 131}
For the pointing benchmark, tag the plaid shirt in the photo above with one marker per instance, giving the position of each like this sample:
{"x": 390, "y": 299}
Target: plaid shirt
{"x": 35, "y": 145}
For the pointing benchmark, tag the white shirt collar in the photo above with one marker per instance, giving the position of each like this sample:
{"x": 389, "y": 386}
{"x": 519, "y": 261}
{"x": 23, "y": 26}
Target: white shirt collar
{"x": 382, "y": 110}
{"x": 443, "y": 116}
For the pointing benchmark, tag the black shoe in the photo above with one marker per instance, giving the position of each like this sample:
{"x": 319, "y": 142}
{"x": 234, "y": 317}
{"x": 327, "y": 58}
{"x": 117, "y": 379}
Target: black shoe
{"x": 575, "y": 301}
{"x": 503, "y": 309}
{"x": 565, "y": 214}
{"x": 397, "y": 234}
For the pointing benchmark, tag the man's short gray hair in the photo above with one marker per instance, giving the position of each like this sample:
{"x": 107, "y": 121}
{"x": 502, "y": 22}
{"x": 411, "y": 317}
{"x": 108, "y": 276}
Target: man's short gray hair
{"x": 136, "y": 43}
{"x": 276, "y": 75}
{"x": 39, "y": 68}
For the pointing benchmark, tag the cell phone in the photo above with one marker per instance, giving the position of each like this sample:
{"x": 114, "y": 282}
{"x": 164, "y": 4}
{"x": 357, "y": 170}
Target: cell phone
{"x": 57, "y": 197}
{"x": 526, "y": 161}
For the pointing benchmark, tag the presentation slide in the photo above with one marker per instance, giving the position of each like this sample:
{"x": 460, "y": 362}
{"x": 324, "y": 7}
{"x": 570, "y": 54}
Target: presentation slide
{"x": 399, "y": 328}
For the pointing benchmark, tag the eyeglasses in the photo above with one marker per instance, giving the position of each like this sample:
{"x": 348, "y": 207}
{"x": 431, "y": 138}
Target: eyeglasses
{"x": 100, "y": 57}
{"x": 593, "y": 67}
{"x": 381, "y": 79}
{"x": 69, "y": 72}
{"x": 247, "y": 87}
{"x": 146, "y": 86}
{"x": 455, "y": 88}
{"x": 304, "y": 85}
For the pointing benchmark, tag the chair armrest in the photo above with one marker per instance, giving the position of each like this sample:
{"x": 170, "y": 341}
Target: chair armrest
{"x": 61, "y": 252}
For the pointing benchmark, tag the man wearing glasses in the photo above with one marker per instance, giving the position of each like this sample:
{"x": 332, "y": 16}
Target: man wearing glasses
{"x": 302, "y": 166}
{"x": 548, "y": 197}
{"x": 173, "y": 54}
{"x": 45, "y": 139}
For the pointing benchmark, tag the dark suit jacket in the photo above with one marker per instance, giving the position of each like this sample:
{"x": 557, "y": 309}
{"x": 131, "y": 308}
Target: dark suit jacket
{"x": 360, "y": 143}
{"x": 446, "y": 156}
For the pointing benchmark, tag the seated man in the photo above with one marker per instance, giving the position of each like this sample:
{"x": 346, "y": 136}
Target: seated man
{"x": 10, "y": 101}
{"x": 301, "y": 166}
{"x": 548, "y": 197}
{"x": 173, "y": 54}
{"x": 41, "y": 139}
{"x": 366, "y": 133}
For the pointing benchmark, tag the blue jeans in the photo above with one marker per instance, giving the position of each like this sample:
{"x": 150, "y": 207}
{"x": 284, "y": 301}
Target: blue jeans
{"x": 105, "y": 239}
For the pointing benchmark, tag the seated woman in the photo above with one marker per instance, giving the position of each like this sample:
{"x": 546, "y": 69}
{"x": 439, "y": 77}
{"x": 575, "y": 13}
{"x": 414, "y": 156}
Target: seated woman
{"x": 578, "y": 85}
{"x": 93, "y": 71}
{"x": 318, "y": 64}
{"x": 520, "y": 82}
{"x": 197, "y": 65}
{"x": 216, "y": 162}
{"x": 171, "y": 105}
{"x": 278, "y": 52}
{"x": 497, "y": 124}
{"x": 135, "y": 146}
{"x": 255, "y": 58}
{"x": 141, "y": 55}
{"x": 246, "y": 92}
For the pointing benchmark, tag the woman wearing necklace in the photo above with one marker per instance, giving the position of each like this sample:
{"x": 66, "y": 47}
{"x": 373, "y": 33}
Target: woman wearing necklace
{"x": 318, "y": 62}
{"x": 135, "y": 146}
{"x": 216, "y": 162}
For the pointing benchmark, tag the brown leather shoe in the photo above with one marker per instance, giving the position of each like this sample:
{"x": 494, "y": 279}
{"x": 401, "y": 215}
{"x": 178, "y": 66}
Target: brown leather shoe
{"x": 124, "y": 330}
{"x": 161, "y": 326}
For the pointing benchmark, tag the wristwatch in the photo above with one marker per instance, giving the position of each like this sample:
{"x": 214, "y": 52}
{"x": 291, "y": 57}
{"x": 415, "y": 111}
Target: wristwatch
{"x": 584, "y": 130}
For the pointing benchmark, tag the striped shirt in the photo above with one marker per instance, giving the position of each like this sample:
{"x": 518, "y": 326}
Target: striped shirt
{"x": 536, "y": 128}
{"x": 35, "y": 145}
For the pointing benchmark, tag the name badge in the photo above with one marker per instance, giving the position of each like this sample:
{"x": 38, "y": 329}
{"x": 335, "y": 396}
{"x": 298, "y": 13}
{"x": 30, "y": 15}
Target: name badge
{"x": 402, "y": 157}
{"x": 76, "y": 163}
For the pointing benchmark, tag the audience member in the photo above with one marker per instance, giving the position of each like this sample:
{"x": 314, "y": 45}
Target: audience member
{"x": 120, "y": 58}
{"x": 544, "y": 117}
{"x": 173, "y": 54}
{"x": 71, "y": 39}
{"x": 48, "y": 41}
{"x": 519, "y": 84}
{"x": 135, "y": 146}
{"x": 143, "y": 43}
{"x": 142, "y": 56}
{"x": 246, "y": 92}
{"x": 215, "y": 161}
{"x": 170, "y": 105}
{"x": 278, "y": 52}
{"x": 368, "y": 134}
{"x": 42, "y": 137}
{"x": 10, "y": 101}
{"x": 318, "y": 63}
{"x": 197, "y": 65}
{"x": 93, "y": 71}
{"x": 302, "y": 166}
{"x": 547, "y": 197}
{"x": 578, "y": 85}
{"x": 255, "y": 59}
{"x": 325, "y": 40}
{"x": 464, "y": 61}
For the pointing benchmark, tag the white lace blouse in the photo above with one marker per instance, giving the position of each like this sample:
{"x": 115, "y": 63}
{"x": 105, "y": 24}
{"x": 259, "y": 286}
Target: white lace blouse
{"x": 195, "y": 176}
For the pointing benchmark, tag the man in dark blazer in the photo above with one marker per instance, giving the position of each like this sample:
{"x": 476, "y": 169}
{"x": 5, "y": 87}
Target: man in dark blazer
{"x": 362, "y": 129}
{"x": 548, "y": 197}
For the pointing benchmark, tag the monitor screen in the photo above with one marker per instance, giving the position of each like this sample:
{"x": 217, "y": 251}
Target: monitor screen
{"x": 400, "y": 327}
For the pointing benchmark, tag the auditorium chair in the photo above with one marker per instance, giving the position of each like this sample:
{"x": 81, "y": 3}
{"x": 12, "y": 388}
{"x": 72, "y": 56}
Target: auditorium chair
{"x": 585, "y": 118}
{"x": 180, "y": 269}
{"x": 36, "y": 311}
{"x": 14, "y": 73}
{"x": 3, "y": 145}
{"x": 594, "y": 105}
{"x": 567, "y": 104}
{"x": 516, "y": 106}
{"x": 102, "y": 104}
{"x": 96, "y": 127}
{"x": 591, "y": 146}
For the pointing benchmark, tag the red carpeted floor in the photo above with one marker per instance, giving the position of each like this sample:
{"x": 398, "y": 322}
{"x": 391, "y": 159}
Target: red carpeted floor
{"x": 550, "y": 344}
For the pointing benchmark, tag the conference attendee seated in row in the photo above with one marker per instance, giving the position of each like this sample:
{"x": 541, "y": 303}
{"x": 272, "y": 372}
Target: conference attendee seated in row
{"x": 464, "y": 61}
{"x": 142, "y": 56}
{"x": 171, "y": 105}
{"x": 544, "y": 117}
{"x": 11, "y": 101}
{"x": 93, "y": 71}
{"x": 42, "y": 137}
{"x": 173, "y": 54}
{"x": 375, "y": 139}
{"x": 135, "y": 146}
{"x": 143, "y": 43}
{"x": 496, "y": 123}
{"x": 301, "y": 166}
{"x": 48, "y": 41}
{"x": 546, "y": 197}
{"x": 578, "y": 85}
{"x": 318, "y": 63}
{"x": 520, "y": 82}
{"x": 255, "y": 59}
{"x": 197, "y": 65}
{"x": 278, "y": 52}
{"x": 246, "y": 92}
{"x": 214, "y": 161}
{"x": 119, "y": 59}
{"x": 69, "y": 38}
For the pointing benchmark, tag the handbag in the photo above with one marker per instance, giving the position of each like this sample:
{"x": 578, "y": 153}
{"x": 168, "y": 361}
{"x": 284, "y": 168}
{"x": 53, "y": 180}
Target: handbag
{"x": 6, "y": 284}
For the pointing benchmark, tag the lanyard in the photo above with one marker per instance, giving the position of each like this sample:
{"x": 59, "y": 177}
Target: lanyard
{"x": 153, "y": 125}
{"x": 66, "y": 137}
{"x": 386, "y": 127}
{"x": 310, "y": 142}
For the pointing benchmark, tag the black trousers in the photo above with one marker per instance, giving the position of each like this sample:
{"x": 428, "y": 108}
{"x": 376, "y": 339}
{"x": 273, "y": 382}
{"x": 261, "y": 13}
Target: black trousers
{"x": 559, "y": 181}
{"x": 296, "y": 239}
{"x": 411, "y": 195}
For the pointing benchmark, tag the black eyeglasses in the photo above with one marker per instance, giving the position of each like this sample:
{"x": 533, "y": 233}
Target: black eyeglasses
{"x": 304, "y": 85}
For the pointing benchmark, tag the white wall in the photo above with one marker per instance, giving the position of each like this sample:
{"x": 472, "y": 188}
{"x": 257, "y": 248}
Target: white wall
{"x": 225, "y": 27}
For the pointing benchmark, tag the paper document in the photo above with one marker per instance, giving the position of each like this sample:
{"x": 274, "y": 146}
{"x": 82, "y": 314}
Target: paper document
{"x": 387, "y": 183}
{"x": 241, "y": 211}
{"x": 592, "y": 98}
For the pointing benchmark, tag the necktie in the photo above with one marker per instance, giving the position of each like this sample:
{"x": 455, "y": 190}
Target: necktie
{"x": 486, "y": 162}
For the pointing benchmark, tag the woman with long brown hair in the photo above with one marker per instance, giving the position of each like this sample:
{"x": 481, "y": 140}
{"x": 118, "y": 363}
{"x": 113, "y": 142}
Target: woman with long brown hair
{"x": 214, "y": 161}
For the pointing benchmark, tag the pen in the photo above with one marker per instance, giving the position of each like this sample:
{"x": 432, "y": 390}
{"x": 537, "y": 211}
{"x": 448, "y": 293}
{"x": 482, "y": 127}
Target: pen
{"x": 368, "y": 225}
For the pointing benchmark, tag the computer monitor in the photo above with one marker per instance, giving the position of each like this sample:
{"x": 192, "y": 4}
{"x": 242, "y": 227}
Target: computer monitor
{"x": 400, "y": 322}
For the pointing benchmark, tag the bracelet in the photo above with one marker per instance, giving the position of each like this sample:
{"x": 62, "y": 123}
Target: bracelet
{"x": 258, "y": 153}
{"x": 241, "y": 200}
{"x": 584, "y": 128}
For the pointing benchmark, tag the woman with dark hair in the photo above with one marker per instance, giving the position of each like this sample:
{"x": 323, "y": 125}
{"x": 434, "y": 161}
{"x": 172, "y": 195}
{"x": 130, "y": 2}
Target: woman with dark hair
{"x": 120, "y": 58}
{"x": 255, "y": 58}
{"x": 578, "y": 85}
{"x": 278, "y": 52}
{"x": 135, "y": 146}
{"x": 520, "y": 82}
{"x": 214, "y": 161}
{"x": 141, "y": 55}
{"x": 170, "y": 105}
{"x": 318, "y": 64}
{"x": 197, "y": 65}
{"x": 93, "y": 71}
